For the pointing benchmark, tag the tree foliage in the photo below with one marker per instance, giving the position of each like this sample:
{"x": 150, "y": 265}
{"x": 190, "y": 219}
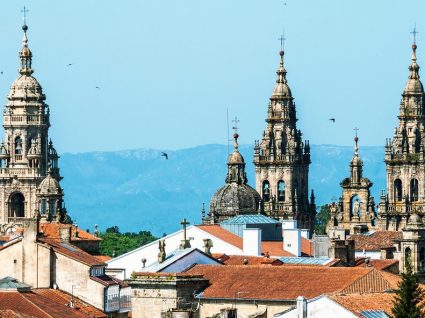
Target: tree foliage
{"x": 409, "y": 295}
{"x": 115, "y": 243}
{"x": 322, "y": 219}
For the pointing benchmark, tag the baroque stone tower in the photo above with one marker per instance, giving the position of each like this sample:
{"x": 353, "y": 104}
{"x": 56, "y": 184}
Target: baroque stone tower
{"x": 282, "y": 159}
{"x": 405, "y": 157}
{"x": 355, "y": 211}
{"x": 29, "y": 173}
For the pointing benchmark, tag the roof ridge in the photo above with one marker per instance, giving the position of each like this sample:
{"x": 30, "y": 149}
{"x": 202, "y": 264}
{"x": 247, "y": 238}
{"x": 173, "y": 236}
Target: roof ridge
{"x": 34, "y": 304}
{"x": 372, "y": 274}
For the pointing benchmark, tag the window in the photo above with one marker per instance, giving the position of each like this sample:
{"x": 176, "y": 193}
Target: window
{"x": 18, "y": 146}
{"x": 407, "y": 256}
{"x": 422, "y": 258}
{"x": 43, "y": 206}
{"x": 17, "y": 205}
{"x": 414, "y": 191}
{"x": 281, "y": 189}
{"x": 266, "y": 191}
{"x": 52, "y": 207}
{"x": 398, "y": 193}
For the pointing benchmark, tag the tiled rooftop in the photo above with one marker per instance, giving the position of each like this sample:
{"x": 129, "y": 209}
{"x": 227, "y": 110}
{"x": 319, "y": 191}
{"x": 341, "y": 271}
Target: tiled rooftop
{"x": 250, "y": 219}
{"x": 72, "y": 251}
{"x": 52, "y": 231}
{"x": 289, "y": 282}
{"x": 251, "y": 260}
{"x": 45, "y": 303}
{"x": 375, "y": 241}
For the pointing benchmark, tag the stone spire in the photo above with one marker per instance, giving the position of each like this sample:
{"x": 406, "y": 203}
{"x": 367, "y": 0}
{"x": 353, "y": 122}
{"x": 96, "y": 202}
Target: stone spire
{"x": 236, "y": 165}
{"x": 356, "y": 165}
{"x": 282, "y": 158}
{"x": 25, "y": 55}
{"x": 404, "y": 156}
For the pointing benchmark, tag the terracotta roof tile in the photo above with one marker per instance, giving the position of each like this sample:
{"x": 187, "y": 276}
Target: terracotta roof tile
{"x": 287, "y": 282}
{"x": 40, "y": 305}
{"x": 103, "y": 258}
{"x": 223, "y": 234}
{"x": 72, "y": 251}
{"x": 52, "y": 231}
{"x": 370, "y": 301}
{"x": 381, "y": 264}
{"x": 252, "y": 260}
{"x": 61, "y": 297}
{"x": 376, "y": 241}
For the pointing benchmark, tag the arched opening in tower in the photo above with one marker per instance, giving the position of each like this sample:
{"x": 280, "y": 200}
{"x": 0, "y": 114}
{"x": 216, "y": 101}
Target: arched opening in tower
{"x": 414, "y": 191}
{"x": 17, "y": 205}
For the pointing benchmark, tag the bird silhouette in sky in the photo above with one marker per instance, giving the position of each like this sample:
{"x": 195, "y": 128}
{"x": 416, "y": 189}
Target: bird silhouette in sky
{"x": 1, "y": 72}
{"x": 97, "y": 87}
{"x": 70, "y": 64}
{"x": 332, "y": 119}
{"x": 165, "y": 155}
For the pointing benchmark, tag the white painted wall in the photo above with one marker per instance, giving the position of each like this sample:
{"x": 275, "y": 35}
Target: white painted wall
{"x": 292, "y": 241}
{"x": 321, "y": 307}
{"x": 132, "y": 261}
{"x": 252, "y": 242}
{"x": 289, "y": 224}
{"x": 371, "y": 254}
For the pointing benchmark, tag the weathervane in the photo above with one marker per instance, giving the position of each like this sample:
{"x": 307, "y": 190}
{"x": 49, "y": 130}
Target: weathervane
{"x": 414, "y": 32}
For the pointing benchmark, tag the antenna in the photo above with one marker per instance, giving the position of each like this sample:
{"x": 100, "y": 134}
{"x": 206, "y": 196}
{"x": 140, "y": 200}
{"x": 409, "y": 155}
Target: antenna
{"x": 228, "y": 134}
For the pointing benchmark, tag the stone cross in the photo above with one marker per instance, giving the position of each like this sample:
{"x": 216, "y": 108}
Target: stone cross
{"x": 235, "y": 127}
{"x": 414, "y": 32}
{"x": 24, "y": 11}
{"x": 282, "y": 41}
{"x": 185, "y": 242}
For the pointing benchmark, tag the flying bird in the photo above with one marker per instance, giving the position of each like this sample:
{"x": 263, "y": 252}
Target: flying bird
{"x": 70, "y": 64}
{"x": 165, "y": 155}
{"x": 332, "y": 119}
{"x": 1, "y": 72}
{"x": 97, "y": 87}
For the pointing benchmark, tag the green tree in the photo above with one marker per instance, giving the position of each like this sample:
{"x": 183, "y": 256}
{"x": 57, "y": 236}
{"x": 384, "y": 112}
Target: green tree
{"x": 409, "y": 295}
{"x": 115, "y": 243}
{"x": 322, "y": 219}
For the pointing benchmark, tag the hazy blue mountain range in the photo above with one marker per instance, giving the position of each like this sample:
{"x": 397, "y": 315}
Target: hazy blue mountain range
{"x": 141, "y": 190}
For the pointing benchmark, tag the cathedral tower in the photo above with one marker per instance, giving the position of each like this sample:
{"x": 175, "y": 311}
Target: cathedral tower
{"x": 282, "y": 159}
{"x": 355, "y": 211}
{"x": 29, "y": 173}
{"x": 404, "y": 157}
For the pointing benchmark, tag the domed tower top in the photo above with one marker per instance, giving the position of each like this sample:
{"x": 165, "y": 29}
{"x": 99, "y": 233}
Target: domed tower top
{"x": 413, "y": 85}
{"x": 25, "y": 55}
{"x": 281, "y": 89}
{"x": 236, "y": 196}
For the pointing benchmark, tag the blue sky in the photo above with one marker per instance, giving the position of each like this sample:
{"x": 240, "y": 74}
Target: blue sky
{"x": 168, "y": 70}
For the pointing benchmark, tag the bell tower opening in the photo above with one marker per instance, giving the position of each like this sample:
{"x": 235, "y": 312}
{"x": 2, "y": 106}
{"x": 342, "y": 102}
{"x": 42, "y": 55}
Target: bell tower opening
{"x": 414, "y": 190}
{"x": 398, "y": 192}
{"x": 17, "y": 205}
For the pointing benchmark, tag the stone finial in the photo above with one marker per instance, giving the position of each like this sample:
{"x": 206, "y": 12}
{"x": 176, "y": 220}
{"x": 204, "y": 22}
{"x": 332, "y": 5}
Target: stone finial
{"x": 161, "y": 254}
{"x": 207, "y": 246}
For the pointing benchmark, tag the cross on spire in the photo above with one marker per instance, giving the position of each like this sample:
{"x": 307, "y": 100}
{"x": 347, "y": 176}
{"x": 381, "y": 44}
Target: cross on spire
{"x": 24, "y": 12}
{"x": 356, "y": 130}
{"x": 235, "y": 127}
{"x": 414, "y": 32}
{"x": 282, "y": 40}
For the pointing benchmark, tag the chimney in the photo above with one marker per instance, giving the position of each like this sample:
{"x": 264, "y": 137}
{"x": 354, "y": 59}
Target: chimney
{"x": 252, "y": 242}
{"x": 65, "y": 233}
{"x": 289, "y": 224}
{"x": 301, "y": 307}
{"x": 305, "y": 233}
{"x": 292, "y": 241}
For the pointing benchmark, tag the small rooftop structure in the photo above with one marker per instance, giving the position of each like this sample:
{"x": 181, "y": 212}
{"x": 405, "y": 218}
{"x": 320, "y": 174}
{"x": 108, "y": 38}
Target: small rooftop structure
{"x": 12, "y": 284}
{"x": 270, "y": 228}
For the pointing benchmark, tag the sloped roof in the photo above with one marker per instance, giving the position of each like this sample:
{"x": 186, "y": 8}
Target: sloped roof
{"x": 72, "y": 251}
{"x": 33, "y": 304}
{"x": 375, "y": 241}
{"x": 52, "y": 231}
{"x": 381, "y": 264}
{"x": 356, "y": 303}
{"x": 10, "y": 283}
{"x": 251, "y": 260}
{"x": 288, "y": 282}
{"x": 305, "y": 260}
{"x": 250, "y": 219}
